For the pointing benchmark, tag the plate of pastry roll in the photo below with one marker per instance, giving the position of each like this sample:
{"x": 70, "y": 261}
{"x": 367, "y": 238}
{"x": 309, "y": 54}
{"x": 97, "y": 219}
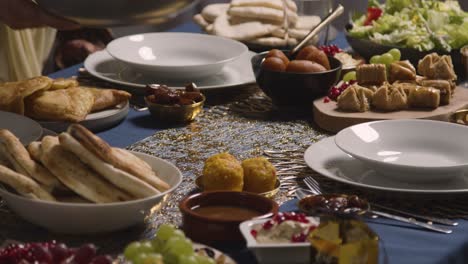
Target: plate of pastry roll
{"x": 56, "y": 103}
{"x": 77, "y": 175}
{"x": 397, "y": 90}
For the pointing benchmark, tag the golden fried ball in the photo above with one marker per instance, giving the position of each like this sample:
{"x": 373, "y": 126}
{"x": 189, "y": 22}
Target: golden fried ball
{"x": 259, "y": 175}
{"x": 223, "y": 172}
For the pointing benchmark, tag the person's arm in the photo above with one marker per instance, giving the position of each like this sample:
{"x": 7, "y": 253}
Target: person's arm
{"x": 20, "y": 14}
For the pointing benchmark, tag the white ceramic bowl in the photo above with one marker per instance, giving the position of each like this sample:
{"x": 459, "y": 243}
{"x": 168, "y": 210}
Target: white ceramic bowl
{"x": 279, "y": 253}
{"x": 172, "y": 55}
{"x": 408, "y": 150}
{"x": 81, "y": 218}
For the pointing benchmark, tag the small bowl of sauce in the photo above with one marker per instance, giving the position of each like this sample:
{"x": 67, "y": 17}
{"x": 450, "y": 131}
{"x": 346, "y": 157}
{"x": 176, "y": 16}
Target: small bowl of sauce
{"x": 211, "y": 217}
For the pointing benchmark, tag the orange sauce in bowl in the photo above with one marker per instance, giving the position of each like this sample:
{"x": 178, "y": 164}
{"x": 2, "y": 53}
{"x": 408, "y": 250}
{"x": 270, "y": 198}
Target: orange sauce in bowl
{"x": 224, "y": 212}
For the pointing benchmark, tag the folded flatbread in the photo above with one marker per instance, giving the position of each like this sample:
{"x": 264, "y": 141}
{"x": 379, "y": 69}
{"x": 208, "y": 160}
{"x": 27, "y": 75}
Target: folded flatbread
{"x": 13, "y": 94}
{"x": 119, "y": 178}
{"x": 77, "y": 176}
{"x": 23, "y": 184}
{"x": 118, "y": 158}
{"x": 105, "y": 98}
{"x": 72, "y": 104}
{"x": 21, "y": 161}
{"x": 63, "y": 83}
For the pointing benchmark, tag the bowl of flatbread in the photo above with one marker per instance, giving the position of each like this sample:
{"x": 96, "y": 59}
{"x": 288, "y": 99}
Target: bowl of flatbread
{"x": 260, "y": 24}
{"x": 76, "y": 183}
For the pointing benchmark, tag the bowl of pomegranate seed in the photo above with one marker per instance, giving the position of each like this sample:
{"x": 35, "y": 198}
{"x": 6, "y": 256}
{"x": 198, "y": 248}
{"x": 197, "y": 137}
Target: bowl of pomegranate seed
{"x": 276, "y": 239}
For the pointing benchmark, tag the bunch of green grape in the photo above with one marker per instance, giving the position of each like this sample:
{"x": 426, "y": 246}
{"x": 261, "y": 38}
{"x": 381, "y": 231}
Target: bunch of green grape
{"x": 386, "y": 58}
{"x": 170, "y": 246}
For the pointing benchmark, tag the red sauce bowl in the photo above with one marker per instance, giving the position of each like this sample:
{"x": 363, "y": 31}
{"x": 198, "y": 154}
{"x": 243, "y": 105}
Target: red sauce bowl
{"x": 222, "y": 227}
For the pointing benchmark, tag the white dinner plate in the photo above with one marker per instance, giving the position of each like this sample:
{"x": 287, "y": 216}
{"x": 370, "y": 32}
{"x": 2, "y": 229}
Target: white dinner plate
{"x": 408, "y": 150}
{"x": 26, "y": 129}
{"x": 103, "y": 66}
{"x": 95, "y": 121}
{"x": 175, "y": 54}
{"x": 327, "y": 159}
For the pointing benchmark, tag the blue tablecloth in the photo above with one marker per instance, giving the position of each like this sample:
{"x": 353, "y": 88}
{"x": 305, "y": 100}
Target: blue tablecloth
{"x": 402, "y": 244}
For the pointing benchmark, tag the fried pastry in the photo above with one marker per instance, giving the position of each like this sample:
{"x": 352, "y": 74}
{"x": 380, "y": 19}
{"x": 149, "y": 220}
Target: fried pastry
{"x": 434, "y": 66}
{"x": 63, "y": 83}
{"x": 371, "y": 74}
{"x": 19, "y": 158}
{"x": 24, "y": 185}
{"x": 72, "y": 104}
{"x": 388, "y": 98}
{"x": 120, "y": 178}
{"x": 401, "y": 70}
{"x": 118, "y": 158}
{"x": 443, "y": 86}
{"x": 76, "y": 175}
{"x": 13, "y": 94}
{"x": 105, "y": 98}
{"x": 355, "y": 99}
{"x": 424, "y": 97}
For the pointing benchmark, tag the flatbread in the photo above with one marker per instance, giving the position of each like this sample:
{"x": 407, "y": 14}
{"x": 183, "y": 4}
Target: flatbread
{"x": 13, "y": 94}
{"x": 70, "y": 105}
{"x": 118, "y": 158}
{"x": 106, "y": 98}
{"x": 244, "y": 31}
{"x": 211, "y": 12}
{"x": 77, "y": 176}
{"x": 199, "y": 20}
{"x": 19, "y": 157}
{"x": 298, "y": 34}
{"x": 276, "y": 4}
{"x": 235, "y": 20}
{"x": 307, "y": 22}
{"x": 119, "y": 178}
{"x": 262, "y": 13}
{"x": 34, "y": 149}
{"x": 24, "y": 185}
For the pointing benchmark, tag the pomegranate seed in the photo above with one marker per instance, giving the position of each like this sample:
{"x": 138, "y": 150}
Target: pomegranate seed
{"x": 254, "y": 233}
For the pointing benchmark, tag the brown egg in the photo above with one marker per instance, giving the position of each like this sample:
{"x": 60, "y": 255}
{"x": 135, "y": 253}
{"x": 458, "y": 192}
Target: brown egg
{"x": 314, "y": 54}
{"x": 304, "y": 66}
{"x": 278, "y": 54}
{"x": 274, "y": 64}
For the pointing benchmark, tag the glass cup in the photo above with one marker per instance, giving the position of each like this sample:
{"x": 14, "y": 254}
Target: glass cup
{"x": 320, "y": 8}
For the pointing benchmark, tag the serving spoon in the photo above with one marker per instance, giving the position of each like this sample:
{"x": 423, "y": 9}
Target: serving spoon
{"x": 325, "y": 22}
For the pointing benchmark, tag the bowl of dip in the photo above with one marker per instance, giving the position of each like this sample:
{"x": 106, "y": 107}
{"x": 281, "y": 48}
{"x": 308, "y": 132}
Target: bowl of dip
{"x": 210, "y": 217}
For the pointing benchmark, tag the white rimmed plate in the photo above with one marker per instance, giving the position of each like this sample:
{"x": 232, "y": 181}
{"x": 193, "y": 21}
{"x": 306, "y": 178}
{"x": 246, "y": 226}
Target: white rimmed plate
{"x": 26, "y": 129}
{"x": 172, "y": 54}
{"x": 103, "y": 66}
{"x": 408, "y": 150}
{"x": 327, "y": 159}
{"x": 85, "y": 218}
{"x": 97, "y": 121}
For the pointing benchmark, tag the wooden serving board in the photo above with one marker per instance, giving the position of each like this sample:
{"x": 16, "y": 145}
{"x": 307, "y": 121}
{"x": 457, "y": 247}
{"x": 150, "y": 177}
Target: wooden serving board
{"x": 328, "y": 117}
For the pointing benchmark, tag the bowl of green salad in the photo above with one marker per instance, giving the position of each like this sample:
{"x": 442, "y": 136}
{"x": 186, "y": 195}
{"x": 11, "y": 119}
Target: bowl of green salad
{"x": 416, "y": 28}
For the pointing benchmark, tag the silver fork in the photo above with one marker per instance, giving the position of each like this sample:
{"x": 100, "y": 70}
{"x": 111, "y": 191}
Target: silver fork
{"x": 313, "y": 185}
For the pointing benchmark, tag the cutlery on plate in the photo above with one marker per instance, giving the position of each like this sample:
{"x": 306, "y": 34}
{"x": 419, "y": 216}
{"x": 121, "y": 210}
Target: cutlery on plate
{"x": 312, "y": 184}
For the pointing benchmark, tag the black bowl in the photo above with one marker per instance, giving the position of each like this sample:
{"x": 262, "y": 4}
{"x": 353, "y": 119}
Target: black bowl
{"x": 367, "y": 49}
{"x": 292, "y": 89}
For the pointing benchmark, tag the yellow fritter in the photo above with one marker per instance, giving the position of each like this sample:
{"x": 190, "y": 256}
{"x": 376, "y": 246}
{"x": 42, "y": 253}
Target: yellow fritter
{"x": 259, "y": 175}
{"x": 223, "y": 172}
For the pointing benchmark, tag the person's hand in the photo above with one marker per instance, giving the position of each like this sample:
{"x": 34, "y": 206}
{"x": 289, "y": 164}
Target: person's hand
{"x": 20, "y": 14}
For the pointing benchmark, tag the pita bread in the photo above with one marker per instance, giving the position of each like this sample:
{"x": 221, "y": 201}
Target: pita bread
{"x": 76, "y": 175}
{"x": 307, "y": 22}
{"x": 23, "y": 184}
{"x": 119, "y": 178}
{"x": 211, "y": 12}
{"x": 72, "y": 104}
{"x": 235, "y": 20}
{"x": 19, "y": 157}
{"x": 34, "y": 149}
{"x": 262, "y": 13}
{"x": 276, "y": 4}
{"x": 118, "y": 158}
{"x": 106, "y": 98}
{"x": 245, "y": 31}
{"x": 273, "y": 41}
{"x": 210, "y": 29}
{"x": 13, "y": 94}
{"x": 62, "y": 83}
